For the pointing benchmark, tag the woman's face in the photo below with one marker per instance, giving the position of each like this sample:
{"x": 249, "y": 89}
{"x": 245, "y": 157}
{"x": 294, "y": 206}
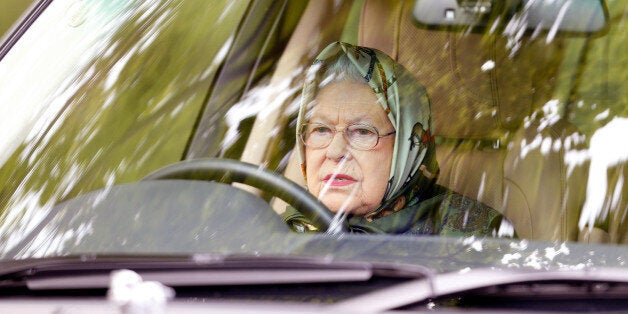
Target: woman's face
{"x": 339, "y": 175}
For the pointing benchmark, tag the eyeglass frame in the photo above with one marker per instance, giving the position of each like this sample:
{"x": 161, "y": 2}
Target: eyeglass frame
{"x": 302, "y": 134}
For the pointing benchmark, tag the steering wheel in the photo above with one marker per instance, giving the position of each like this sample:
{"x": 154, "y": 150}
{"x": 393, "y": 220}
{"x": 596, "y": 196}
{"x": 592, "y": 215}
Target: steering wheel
{"x": 229, "y": 171}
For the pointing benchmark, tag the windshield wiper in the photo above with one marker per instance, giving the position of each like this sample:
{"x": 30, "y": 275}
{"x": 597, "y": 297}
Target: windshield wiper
{"x": 600, "y": 282}
{"x": 93, "y": 272}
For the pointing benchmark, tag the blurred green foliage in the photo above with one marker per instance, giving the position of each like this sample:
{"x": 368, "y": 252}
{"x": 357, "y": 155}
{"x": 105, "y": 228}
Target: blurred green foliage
{"x": 10, "y": 12}
{"x": 135, "y": 105}
{"x": 600, "y": 92}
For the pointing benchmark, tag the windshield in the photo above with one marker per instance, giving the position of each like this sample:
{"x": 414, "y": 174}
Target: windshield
{"x": 513, "y": 119}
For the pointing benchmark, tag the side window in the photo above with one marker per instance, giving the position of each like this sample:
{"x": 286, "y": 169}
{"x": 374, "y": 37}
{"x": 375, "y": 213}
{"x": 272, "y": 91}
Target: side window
{"x": 100, "y": 92}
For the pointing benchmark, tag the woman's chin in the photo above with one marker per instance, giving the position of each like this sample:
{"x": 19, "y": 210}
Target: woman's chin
{"x": 352, "y": 207}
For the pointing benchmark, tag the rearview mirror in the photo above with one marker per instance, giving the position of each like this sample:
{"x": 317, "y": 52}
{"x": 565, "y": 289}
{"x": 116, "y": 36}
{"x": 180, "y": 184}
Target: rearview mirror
{"x": 572, "y": 16}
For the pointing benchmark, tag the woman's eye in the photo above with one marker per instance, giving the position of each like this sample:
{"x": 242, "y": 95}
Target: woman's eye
{"x": 361, "y": 132}
{"x": 321, "y": 130}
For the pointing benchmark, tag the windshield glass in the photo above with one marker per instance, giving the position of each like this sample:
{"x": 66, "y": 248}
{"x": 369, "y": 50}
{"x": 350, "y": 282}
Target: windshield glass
{"x": 409, "y": 118}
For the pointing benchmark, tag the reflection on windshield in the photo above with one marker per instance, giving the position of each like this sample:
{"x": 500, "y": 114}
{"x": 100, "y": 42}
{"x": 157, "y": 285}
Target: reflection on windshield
{"x": 603, "y": 199}
{"x": 526, "y": 125}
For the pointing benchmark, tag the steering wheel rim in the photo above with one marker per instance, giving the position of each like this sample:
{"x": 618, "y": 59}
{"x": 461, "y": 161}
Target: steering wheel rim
{"x": 230, "y": 171}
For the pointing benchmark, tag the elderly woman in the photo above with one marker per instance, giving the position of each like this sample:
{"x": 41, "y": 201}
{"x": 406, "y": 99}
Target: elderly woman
{"x": 364, "y": 135}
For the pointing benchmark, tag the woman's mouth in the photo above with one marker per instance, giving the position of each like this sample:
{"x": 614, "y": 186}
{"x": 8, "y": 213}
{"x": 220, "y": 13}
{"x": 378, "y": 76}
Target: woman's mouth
{"x": 338, "y": 180}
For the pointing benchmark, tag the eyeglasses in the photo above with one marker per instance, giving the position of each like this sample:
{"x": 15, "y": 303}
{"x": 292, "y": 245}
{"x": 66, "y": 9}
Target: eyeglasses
{"x": 359, "y": 136}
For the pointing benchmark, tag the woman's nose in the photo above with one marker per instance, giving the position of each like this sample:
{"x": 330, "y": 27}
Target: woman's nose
{"x": 338, "y": 147}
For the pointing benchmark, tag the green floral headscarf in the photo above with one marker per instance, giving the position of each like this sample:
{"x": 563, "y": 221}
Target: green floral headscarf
{"x": 405, "y": 101}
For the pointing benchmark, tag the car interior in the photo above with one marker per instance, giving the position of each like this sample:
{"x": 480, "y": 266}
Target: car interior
{"x": 499, "y": 139}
